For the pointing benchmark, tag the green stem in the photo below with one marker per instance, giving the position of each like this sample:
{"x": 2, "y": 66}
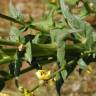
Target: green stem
{"x": 51, "y": 49}
{"x": 6, "y": 60}
{"x": 10, "y": 19}
{"x": 4, "y": 42}
{"x": 44, "y": 49}
{"x": 40, "y": 50}
{"x": 27, "y": 25}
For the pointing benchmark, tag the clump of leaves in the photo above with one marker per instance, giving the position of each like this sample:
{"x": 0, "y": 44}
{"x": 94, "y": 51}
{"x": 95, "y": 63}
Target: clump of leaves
{"x": 50, "y": 41}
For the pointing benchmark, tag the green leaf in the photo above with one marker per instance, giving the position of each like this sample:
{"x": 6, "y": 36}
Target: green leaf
{"x": 16, "y": 36}
{"x": 21, "y": 39}
{"x": 36, "y": 39}
{"x": 15, "y": 13}
{"x": 46, "y": 24}
{"x": 64, "y": 74}
{"x": 83, "y": 12}
{"x": 61, "y": 58}
{"x": 58, "y": 36}
{"x": 28, "y": 54}
{"x": 77, "y": 23}
{"x": 53, "y": 5}
{"x": 82, "y": 63}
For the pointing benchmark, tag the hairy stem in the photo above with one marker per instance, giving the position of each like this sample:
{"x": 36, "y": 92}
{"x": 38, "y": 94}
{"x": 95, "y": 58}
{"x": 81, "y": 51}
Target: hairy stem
{"x": 10, "y": 19}
{"x": 39, "y": 49}
{"x": 21, "y": 23}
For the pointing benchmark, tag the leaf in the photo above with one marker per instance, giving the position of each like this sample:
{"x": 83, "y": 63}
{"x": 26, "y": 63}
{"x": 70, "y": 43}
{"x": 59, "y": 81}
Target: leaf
{"x": 83, "y": 12}
{"x": 36, "y": 39}
{"x": 15, "y": 13}
{"x": 77, "y": 23}
{"x": 46, "y": 24}
{"x": 53, "y": 4}
{"x": 82, "y": 63}
{"x": 28, "y": 54}
{"x": 65, "y": 74}
{"x": 58, "y": 36}
{"x": 21, "y": 39}
{"x": 16, "y": 36}
{"x": 61, "y": 58}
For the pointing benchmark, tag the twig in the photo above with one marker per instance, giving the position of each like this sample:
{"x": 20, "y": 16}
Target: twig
{"x": 21, "y": 23}
{"x": 52, "y": 76}
{"x": 10, "y": 19}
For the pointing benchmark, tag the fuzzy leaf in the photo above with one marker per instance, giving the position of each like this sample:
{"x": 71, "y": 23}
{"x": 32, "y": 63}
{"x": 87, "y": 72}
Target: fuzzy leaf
{"x": 15, "y": 35}
{"x": 77, "y": 23}
{"x": 16, "y": 14}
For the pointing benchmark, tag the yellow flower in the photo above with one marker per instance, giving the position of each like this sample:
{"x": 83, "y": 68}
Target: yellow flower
{"x": 26, "y": 93}
{"x": 51, "y": 82}
{"x": 43, "y": 74}
{"x": 89, "y": 69}
{"x": 21, "y": 89}
{"x": 83, "y": 40}
{"x": 20, "y": 47}
{"x": 3, "y": 94}
{"x": 41, "y": 82}
{"x": 53, "y": 1}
